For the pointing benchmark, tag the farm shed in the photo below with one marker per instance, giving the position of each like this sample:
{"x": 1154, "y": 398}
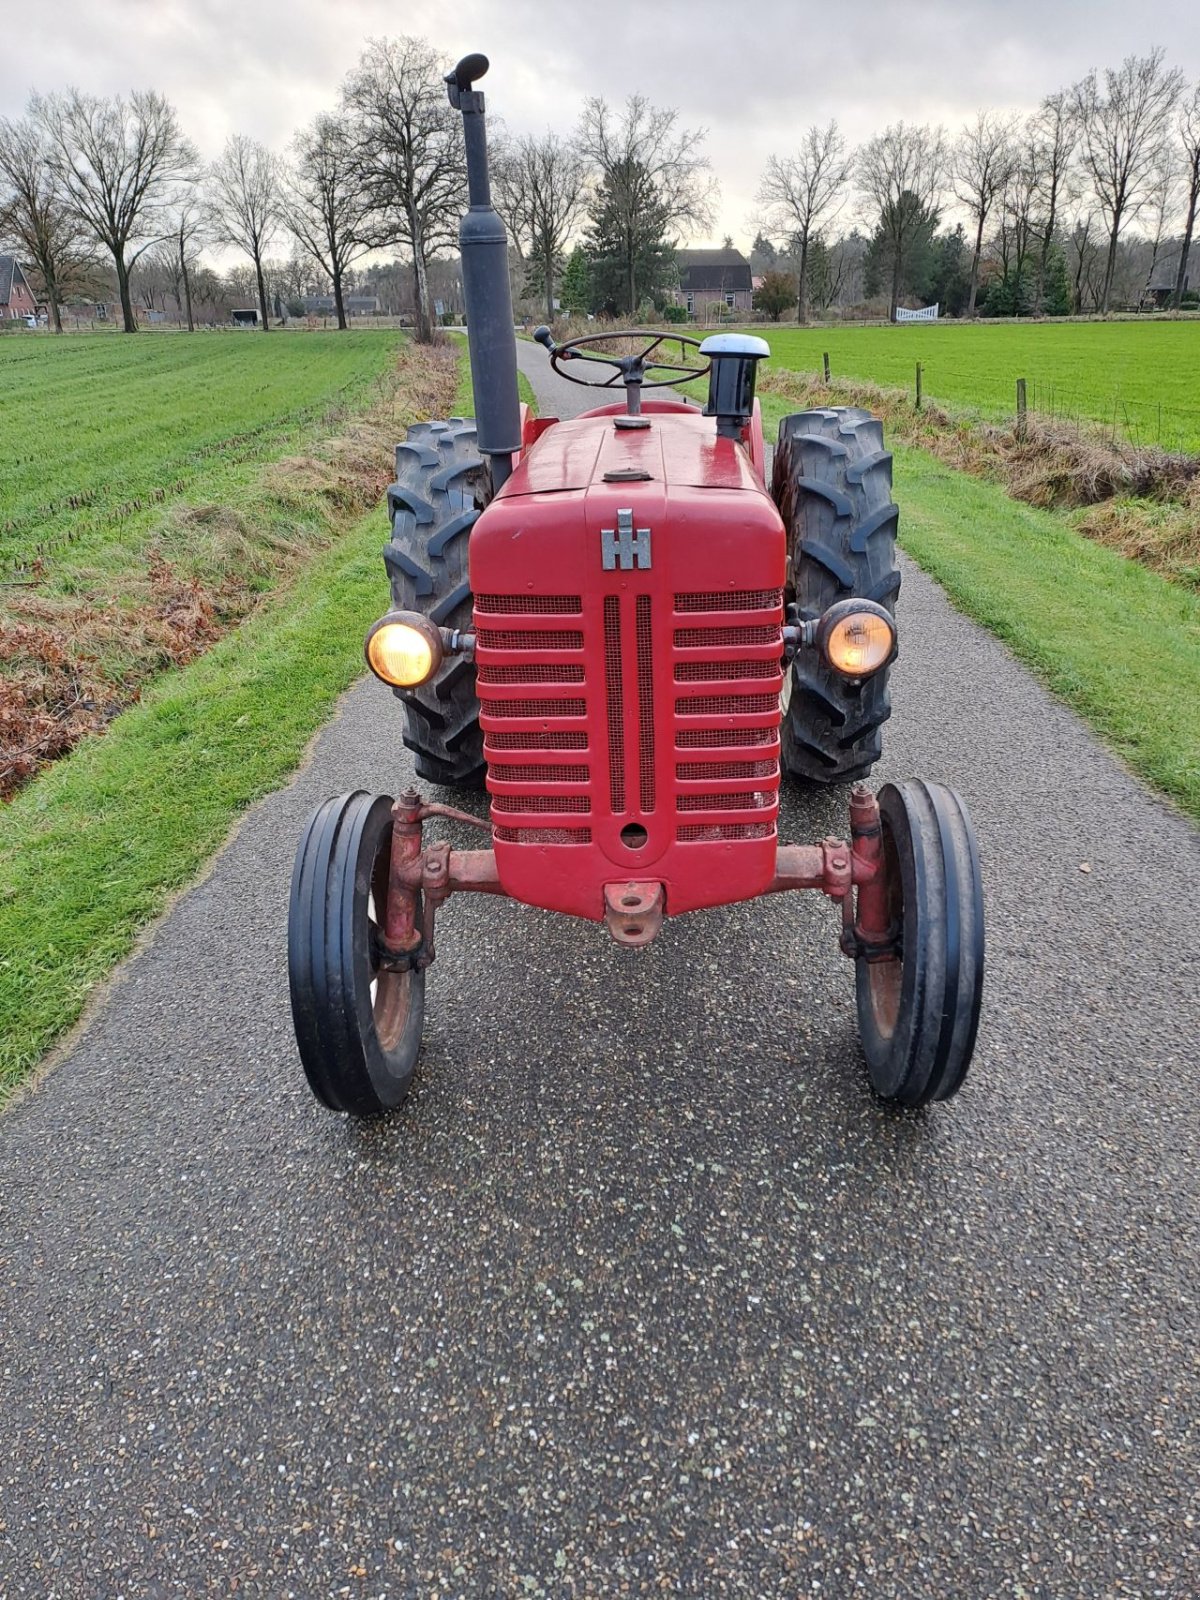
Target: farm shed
{"x": 16, "y": 297}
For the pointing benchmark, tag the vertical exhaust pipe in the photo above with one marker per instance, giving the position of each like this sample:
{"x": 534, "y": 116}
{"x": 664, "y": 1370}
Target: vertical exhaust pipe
{"x": 486, "y": 292}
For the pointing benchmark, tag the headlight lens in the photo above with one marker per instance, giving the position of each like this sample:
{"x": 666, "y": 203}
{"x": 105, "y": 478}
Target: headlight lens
{"x": 856, "y": 637}
{"x": 404, "y": 649}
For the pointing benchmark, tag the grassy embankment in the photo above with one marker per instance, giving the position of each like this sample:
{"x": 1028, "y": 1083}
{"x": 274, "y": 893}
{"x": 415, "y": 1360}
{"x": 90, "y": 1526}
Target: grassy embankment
{"x": 1118, "y": 642}
{"x": 93, "y": 848}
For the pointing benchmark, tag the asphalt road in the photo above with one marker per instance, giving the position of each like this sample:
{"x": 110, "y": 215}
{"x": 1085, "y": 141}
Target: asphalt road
{"x": 641, "y": 1293}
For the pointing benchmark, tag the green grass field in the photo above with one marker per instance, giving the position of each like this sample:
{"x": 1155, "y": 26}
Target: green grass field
{"x": 1142, "y": 376}
{"x": 98, "y": 431}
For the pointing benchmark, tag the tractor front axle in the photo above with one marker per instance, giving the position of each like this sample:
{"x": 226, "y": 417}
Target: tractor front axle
{"x": 422, "y": 877}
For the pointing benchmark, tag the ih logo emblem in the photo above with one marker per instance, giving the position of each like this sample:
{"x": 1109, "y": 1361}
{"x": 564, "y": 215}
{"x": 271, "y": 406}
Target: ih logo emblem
{"x": 625, "y": 546}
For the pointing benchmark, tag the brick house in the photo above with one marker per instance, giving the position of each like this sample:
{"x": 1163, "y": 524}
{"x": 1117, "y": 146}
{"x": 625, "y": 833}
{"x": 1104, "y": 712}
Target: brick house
{"x": 16, "y": 297}
{"x": 708, "y": 277}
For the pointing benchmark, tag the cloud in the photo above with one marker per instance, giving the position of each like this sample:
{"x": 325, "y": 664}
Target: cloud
{"x": 753, "y": 76}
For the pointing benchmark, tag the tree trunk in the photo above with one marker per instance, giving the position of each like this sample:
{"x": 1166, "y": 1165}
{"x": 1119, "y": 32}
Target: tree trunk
{"x": 338, "y": 302}
{"x": 55, "y": 310}
{"x": 128, "y": 318}
{"x": 187, "y": 292}
{"x": 897, "y": 275}
{"x": 262, "y": 295}
{"x": 421, "y": 289}
{"x": 1189, "y": 226}
{"x": 549, "y": 287}
{"x": 1110, "y": 267}
{"x": 801, "y": 281}
{"x": 975, "y": 267}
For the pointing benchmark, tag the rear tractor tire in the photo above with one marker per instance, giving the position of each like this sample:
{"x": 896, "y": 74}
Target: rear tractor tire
{"x": 832, "y": 482}
{"x": 433, "y": 504}
{"x": 918, "y": 1011}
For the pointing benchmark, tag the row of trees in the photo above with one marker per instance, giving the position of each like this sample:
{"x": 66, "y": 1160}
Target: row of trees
{"x": 1069, "y": 181}
{"x": 84, "y": 178}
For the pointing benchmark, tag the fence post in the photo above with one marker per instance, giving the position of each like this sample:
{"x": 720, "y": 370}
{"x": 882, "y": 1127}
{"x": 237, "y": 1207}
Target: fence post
{"x": 1021, "y": 422}
{"x": 826, "y": 360}
{"x": 919, "y": 372}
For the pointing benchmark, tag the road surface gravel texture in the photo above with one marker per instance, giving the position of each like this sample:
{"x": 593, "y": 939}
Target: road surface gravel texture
{"x": 642, "y": 1292}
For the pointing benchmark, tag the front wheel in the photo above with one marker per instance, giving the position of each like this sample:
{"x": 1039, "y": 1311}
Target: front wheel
{"x": 358, "y": 1026}
{"x": 918, "y": 1010}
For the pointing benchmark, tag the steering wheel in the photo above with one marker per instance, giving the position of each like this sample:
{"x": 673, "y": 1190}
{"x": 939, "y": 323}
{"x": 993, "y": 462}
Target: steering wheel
{"x": 631, "y": 369}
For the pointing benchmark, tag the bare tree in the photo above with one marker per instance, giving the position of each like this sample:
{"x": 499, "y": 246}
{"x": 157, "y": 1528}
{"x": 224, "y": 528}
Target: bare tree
{"x": 1189, "y": 132}
{"x": 542, "y": 188}
{"x": 1162, "y": 207}
{"x": 983, "y": 162}
{"x": 648, "y": 167}
{"x": 35, "y": 217}
{"x": 408, "y": 153}
{"x": 901, "y": 173}
{"x": 331, "y": 216}
{"x": 1051, "y": 137}
{"x": 245, "y": 205}
{"x": 803, "y": 194}
{"x": 1124, "y": 124}
{"x": 187, "y": 231}
{"x": 118, "y": 163}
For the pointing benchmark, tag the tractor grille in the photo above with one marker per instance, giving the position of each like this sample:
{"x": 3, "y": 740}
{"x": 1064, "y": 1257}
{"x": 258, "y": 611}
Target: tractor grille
{"x": 736, "y": 725}
{"x": 625, "y": 709}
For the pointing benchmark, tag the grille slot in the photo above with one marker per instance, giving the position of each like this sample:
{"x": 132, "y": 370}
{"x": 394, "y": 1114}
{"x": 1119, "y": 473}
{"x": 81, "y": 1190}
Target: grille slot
{"x": 732, "y": 600}
{"x": 529, "y": 639}
{"x": 614, "y": 702}
{"x": 645, "y": 685}
{"x": 536, "y": 708}
{"x": 504, "y": 773}
{"x": 727, "y": 705}
{"x": 560, "y": 803}
{"x": 723, "y": 671}
{"x": 719, "y": 638}
{"x": 536, "y": 741}
{"x": 748, "y": 800}
{"x": 724, "y": 830}
{"x": 535, "y": 672}
{"x": 722, "y": 738}
{"x": 724, "y": 771}
{"x": 543, "y": 835}
{"x": 514, "y": 604}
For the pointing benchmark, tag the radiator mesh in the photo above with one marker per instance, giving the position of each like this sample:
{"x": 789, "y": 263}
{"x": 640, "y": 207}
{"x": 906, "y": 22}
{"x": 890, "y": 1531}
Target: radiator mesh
{"x": 645, "y": 687}
{"x": 614, "y": 702}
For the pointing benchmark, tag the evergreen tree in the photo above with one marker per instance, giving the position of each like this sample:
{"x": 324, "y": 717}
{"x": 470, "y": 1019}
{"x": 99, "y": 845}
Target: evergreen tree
{"x": 627, "y": 250}
{"x": 1056, "y": 287}
{"x": 911, "y": 221}
{"x": 950, "y": 285}
{"x": 575, "y": 289}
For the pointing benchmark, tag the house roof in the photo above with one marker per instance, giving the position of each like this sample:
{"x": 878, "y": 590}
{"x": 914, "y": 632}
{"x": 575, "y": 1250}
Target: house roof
{"x": 10, "y": 271}
{"x": 713, "y": 270}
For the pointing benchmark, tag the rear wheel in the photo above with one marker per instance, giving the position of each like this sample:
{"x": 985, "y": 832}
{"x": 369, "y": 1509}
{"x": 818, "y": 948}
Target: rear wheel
{"x": 358, "y": 1027}
{"x": 433, "y": 506}
{"x": 918, "y": 1011}
{"x": 832, "y": 482}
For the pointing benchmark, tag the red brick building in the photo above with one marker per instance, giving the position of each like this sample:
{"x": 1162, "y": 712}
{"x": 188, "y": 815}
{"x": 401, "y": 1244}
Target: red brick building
{"x": 713, "y": 276}
{"x": 16, "y": 297}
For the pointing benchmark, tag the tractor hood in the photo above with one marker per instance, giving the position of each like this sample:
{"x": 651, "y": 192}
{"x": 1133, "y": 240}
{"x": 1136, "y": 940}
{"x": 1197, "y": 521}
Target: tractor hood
{"x": 676, "y": 449}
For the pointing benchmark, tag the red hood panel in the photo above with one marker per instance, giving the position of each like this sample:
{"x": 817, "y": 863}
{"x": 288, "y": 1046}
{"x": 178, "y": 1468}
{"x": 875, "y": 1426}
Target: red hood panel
{"x": 680, "y": 449}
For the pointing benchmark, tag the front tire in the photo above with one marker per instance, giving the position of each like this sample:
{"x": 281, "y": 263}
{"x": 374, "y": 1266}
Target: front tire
{"x": 358, "y": 1028}
{"x": 918, "y": 1012}
{"x": 832, "y": 482}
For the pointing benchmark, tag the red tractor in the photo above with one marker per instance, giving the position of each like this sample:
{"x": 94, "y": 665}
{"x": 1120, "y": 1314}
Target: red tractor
{"x": 617, "y": 625}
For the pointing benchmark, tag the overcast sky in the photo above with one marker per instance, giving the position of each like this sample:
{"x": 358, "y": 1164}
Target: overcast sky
{"x": 752, "y": 74}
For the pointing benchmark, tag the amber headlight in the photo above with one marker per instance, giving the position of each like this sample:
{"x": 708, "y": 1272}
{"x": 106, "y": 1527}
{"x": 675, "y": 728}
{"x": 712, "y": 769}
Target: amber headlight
{"x": 404, "y": 649}
{"x": 856, "y": 637}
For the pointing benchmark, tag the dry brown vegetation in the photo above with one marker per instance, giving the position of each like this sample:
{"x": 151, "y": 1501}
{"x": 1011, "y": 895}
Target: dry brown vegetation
{"x": 1144, "y": 503}
{"x": 78, "y": 645}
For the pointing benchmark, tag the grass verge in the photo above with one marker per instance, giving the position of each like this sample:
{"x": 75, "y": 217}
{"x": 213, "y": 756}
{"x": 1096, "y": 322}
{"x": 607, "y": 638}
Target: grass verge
{"x": 93, "y": 850}
{"x": 1120, "y": 644}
